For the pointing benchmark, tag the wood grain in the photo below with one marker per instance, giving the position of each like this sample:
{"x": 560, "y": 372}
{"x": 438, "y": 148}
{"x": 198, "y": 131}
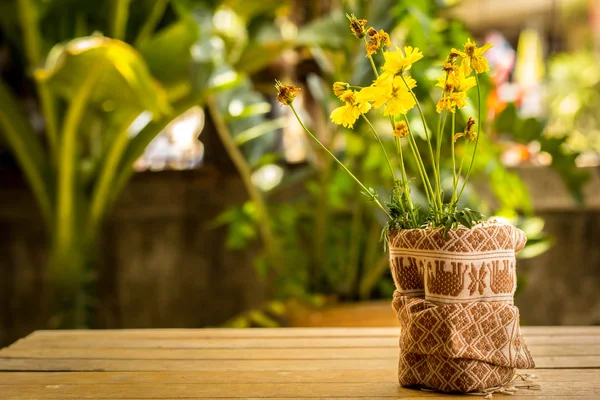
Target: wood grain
{"x": 242, "y": 390}
{"x": 261, "y": 363}
{"x": 528, "y": 331}
{"x": 340, "y": 376}
{"x": 253, "y": 342}
{"x": 290, "y": 353}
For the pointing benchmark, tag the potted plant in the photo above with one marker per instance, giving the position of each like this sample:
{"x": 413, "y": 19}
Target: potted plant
{"x": 454, "y": 272}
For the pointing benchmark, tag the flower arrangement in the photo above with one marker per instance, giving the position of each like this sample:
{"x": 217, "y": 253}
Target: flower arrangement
{"x": 392, "y": 90}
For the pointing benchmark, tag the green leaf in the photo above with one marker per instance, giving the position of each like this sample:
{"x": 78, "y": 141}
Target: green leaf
{"x": 329, "y": 32}
{"x": 250, "y": 9}
{"x": 168, "y": 54}
{"x": 261, "y": 319}
{"x": 465, "y": 220}
{"x": 68, "y": 189}
{"x": 124, "y": 82}
{"x": 261, "y": 52}
{"x": 28, "y": 151}
{"x": 536, "y": 246}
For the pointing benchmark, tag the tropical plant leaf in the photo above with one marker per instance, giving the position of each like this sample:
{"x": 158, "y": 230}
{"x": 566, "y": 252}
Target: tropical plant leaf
{"x": 168, "y": 54}
{"x": 28, "y": 151}
{"x": 125, "y": 81}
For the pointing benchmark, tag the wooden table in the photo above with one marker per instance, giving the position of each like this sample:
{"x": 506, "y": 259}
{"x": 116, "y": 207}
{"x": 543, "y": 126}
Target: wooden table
{"x": 261, "y": 363}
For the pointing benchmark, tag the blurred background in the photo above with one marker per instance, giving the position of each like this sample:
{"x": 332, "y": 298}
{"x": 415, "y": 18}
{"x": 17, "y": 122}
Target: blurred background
{"x": 149, "y": 179}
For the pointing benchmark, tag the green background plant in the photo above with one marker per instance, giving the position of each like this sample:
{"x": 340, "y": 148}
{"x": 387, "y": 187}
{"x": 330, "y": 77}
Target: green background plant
{"x": 95, "y": 68}
{"x": 166, "y": 56}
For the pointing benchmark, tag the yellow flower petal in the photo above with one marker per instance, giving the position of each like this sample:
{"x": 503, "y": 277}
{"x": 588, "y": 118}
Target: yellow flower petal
{"x": 397, "y": 62}
{"x": 347, "y": 115}
{"x": 339, "y": 115}
{"x": 379, "y": 95}
{"x": 397, "y": 81}
{"x": 400, "y": 102}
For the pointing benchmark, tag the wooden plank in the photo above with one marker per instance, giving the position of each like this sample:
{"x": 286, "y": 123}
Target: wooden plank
{"x": 293, "y": 332}
{"x": 575, "y": 376}
{"x": 392, "y": 396}
{"x": 239, "y": 343}
{"x": 61, "y": 364}
{"x": 255, "y": 354}
{"x": 158, "y": 390}
{"x": 433, "y": 396}
{"x": 203, "y": 354}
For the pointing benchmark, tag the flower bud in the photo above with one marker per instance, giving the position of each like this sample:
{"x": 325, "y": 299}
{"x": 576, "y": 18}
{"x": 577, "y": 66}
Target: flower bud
{"x": 357, "y": 26}
{"x": 286, "y": 93}
{"x": 401, "y": 129}
{"x": 339, "y": 88}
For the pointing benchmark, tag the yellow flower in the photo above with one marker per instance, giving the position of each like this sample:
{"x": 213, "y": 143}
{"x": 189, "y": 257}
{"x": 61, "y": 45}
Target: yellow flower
{"x": 449, "y": 68}
{"x": 398, "y": 62}
{"x": 472, "y": 57}
{"x": 396, "y": 95}
{"x": 339, "y": 88}
{"x": 445, "y": 103}
{"x": 347, "y": 114}
{"x": 401, "y": 129}
{"x": 376, "y": 40}
{"x": 357, "y": 26}
{"x": 469, "y": 132}
{"x": 452, "y": 56}
{"x": 454, "y": 86}
{"x": 286, "y": 93}
{"x": 459, "y": 99}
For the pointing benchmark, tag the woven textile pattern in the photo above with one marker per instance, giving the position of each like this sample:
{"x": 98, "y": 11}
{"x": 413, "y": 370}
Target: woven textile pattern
{"x": 476, "y": 264}
{"x": 459, "y": 331}
{"x": 459, "y": 347}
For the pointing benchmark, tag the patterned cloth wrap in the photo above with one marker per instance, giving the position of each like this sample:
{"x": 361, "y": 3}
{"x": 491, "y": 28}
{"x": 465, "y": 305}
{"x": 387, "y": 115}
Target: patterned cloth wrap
{"x": 459, "y": 329}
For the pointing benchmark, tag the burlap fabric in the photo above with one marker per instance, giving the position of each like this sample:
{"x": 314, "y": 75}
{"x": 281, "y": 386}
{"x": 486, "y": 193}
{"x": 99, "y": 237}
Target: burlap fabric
{"x": 454, "y": 295}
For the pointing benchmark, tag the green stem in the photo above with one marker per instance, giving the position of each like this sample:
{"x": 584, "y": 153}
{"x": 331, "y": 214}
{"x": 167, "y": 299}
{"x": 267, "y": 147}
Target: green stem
{"x": 389, "y": 163}
{"x": 421, "y": 166}
{"x": 119, "y": 17}
{"x": 454, "y": 179}
{"x": 29, "y": 22}
{"x": 476, "y": 139}
{"x": 414, "y": 96}
{"x": 462, "y": 161}
{"x": 339, "y": 162}
{"x": 441, "y": 125}
{"x": 49, "y": 111}
{"x": 321, "y": 219}
{"x": 152, "y": 21}
{"x": 404, "y": 178}
{"x": 66, "y": 196}
{"x": 371, "y": 61}
{"x": 435, "y": 167}
{"x": 28, "y": 151}
{"x": 101, "y": 194}
{"x": 440, "y": 138}
{"x": 28, "y": 19}
{"x": 405, "y": 181}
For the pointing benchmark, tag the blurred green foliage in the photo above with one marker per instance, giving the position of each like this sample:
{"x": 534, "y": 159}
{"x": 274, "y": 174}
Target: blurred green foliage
{"x": 574, "y": 98}
{"x": 94, "y": 67}
{"x": 327, "y": 233}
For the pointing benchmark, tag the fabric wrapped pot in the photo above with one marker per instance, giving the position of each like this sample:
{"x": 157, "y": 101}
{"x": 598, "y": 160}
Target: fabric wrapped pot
{"x": 454, "y": 300}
